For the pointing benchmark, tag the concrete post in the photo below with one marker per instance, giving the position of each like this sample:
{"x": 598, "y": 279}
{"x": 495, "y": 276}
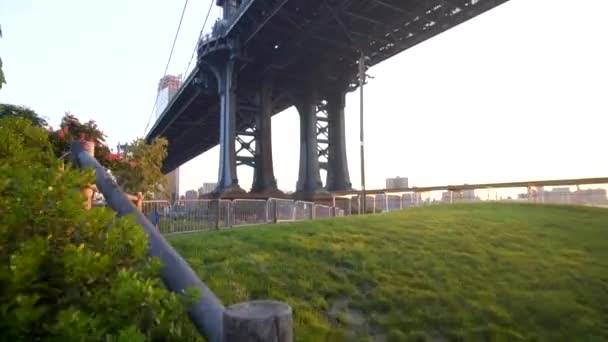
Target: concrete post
{"x": 337, "y": 166}
{"x": 256, "y": 321}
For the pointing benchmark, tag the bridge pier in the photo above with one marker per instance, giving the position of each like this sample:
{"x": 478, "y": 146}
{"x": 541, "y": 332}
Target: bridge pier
{"x": 309, "y": 183}
{"x": 227, "y": 178}
{"x": 263, "y": 174}
{"x": 338, "y": 178}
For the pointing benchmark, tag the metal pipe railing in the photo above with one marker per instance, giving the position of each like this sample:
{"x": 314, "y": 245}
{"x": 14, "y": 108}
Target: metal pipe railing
{"x": 207, "y": 313}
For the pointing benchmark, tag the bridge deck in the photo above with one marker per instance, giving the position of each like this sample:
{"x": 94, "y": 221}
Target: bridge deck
{"x": 293, "y": 39}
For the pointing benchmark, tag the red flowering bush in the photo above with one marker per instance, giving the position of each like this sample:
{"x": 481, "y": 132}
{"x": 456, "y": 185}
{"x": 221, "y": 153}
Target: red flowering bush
{"x": 71, "y": 128}
{"x": 137, "y": 168}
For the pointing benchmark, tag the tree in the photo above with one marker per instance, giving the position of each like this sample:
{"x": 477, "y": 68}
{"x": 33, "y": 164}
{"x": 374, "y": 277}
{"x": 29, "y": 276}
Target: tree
{"x": 9, "y": 110}
{"x": 71, "y": 128}
{"x": 137, "y": 169}
{"x": 2, "y": 79}
{"x": 141, "y": 167}
{"x": 69, "y": 274}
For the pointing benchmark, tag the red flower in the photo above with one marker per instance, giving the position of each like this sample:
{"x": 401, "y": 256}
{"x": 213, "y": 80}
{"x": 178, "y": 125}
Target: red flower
{"x": 112, "y": 156}
{"x": 133, "y": 164}
{"x": 61, "y": 135}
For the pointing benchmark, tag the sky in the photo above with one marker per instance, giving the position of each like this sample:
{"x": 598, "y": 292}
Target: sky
{"x": 517, "y": 93}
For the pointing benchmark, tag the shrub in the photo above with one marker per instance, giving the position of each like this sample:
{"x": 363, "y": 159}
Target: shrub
{"x": 69, "y": 274}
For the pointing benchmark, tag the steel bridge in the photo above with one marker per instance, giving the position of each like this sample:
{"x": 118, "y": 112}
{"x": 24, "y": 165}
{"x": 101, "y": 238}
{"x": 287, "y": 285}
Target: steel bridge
{"x": 265, "y": 56}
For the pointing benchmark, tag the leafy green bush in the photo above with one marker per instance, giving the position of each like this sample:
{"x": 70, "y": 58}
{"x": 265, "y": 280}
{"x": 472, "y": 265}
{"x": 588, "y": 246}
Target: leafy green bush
{"x": 69, "y": 274}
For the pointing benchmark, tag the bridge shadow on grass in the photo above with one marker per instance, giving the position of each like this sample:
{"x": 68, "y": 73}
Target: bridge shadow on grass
{"x": 460, "y": 272}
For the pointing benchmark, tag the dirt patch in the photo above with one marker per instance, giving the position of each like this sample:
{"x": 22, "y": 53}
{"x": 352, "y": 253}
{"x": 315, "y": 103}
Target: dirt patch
{"x": 352, "y": 321}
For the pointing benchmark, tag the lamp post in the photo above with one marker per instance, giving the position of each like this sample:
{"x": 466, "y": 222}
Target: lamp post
{"x": 361, "y": 83}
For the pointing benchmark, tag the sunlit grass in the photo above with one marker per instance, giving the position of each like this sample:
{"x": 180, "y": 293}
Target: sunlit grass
{"x": 462, "y": 272}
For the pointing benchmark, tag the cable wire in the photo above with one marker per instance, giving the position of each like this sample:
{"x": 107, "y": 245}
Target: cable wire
{"x": 199, "y": 37}
{"x": 179, "y": 26}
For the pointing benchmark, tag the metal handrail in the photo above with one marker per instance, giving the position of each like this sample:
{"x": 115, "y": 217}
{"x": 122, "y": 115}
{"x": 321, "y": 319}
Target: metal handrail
{"x": 207, "y": 313}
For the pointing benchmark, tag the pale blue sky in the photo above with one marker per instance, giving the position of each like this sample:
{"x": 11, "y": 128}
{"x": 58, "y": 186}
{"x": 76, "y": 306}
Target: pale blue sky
{"x": 518, "y": 93}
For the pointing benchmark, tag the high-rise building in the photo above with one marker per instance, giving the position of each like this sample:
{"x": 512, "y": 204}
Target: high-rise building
{"x": 173, "y": 185}
{"x": 459, "y": 196}
{"x": 396, "y": 183}
{"x": 191, "y": 195}
{"x": 207, "y": 188}
{"x": 167, "y": 88}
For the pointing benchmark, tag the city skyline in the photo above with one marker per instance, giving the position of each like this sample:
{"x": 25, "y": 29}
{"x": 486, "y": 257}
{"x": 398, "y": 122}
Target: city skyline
{"x": 495, "y": 110}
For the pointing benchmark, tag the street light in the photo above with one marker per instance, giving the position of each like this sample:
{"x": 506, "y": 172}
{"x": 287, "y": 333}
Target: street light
{"x": 361, "y": 83}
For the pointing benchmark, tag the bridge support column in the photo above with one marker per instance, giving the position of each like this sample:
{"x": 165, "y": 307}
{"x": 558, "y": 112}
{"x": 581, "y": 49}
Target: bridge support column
{"x": 263, "y": 174}
{"x": 227, "y": 178}
{"x": 337, "y": 166}
{"x": 309, "y": 178}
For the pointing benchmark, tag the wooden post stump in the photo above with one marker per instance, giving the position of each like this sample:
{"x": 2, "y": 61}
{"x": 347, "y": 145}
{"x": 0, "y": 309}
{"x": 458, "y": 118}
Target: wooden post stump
{"x": 258, "y": 321}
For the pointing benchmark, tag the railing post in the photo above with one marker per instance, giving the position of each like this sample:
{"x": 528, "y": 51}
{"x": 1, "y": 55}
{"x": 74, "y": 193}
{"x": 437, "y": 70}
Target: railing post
{"x": 266, "y": 212}
{"x": 275, "y": 215}
{"x": 312, "y": 212}
{"x": 230, "y": 214}
{"x": 401, "y": 202}
{"x": 386, "y": 202}
{"x": 218, "y": 213}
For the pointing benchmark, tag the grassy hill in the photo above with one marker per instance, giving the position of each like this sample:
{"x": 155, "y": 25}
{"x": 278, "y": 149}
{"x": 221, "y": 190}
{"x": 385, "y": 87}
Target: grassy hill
{"x": 461, "y": 272}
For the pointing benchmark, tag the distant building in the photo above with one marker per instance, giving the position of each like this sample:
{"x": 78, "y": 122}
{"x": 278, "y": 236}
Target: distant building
{"x": 191, "y": 195}
{"x": 207, "y": 188}
{"x": 590, "y": 196}
{"x": 168, "y": 86}
{"x": 173, "y": 185}
{"x": 563, "y": 195}
{"x": 396, "y": 183}
{"x": 557, "y": 195}
{"x": 459, "y": 196}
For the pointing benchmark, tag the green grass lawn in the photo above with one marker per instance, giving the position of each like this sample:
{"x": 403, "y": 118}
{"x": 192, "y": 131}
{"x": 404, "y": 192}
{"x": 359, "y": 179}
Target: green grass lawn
{"x": 471, "y": 272}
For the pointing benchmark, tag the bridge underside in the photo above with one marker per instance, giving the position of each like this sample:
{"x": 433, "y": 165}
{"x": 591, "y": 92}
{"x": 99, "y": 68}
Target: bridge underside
{"x": 275, "y": 54}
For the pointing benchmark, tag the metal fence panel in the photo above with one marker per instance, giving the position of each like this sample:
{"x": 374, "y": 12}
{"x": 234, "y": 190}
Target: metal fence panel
{"x": 249, "y": 211}
{"x": 303, "y": 210}
{"x": 282, "y": 210}
{"x": 192, "y": 216}
{"x": 322, "y": 211}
